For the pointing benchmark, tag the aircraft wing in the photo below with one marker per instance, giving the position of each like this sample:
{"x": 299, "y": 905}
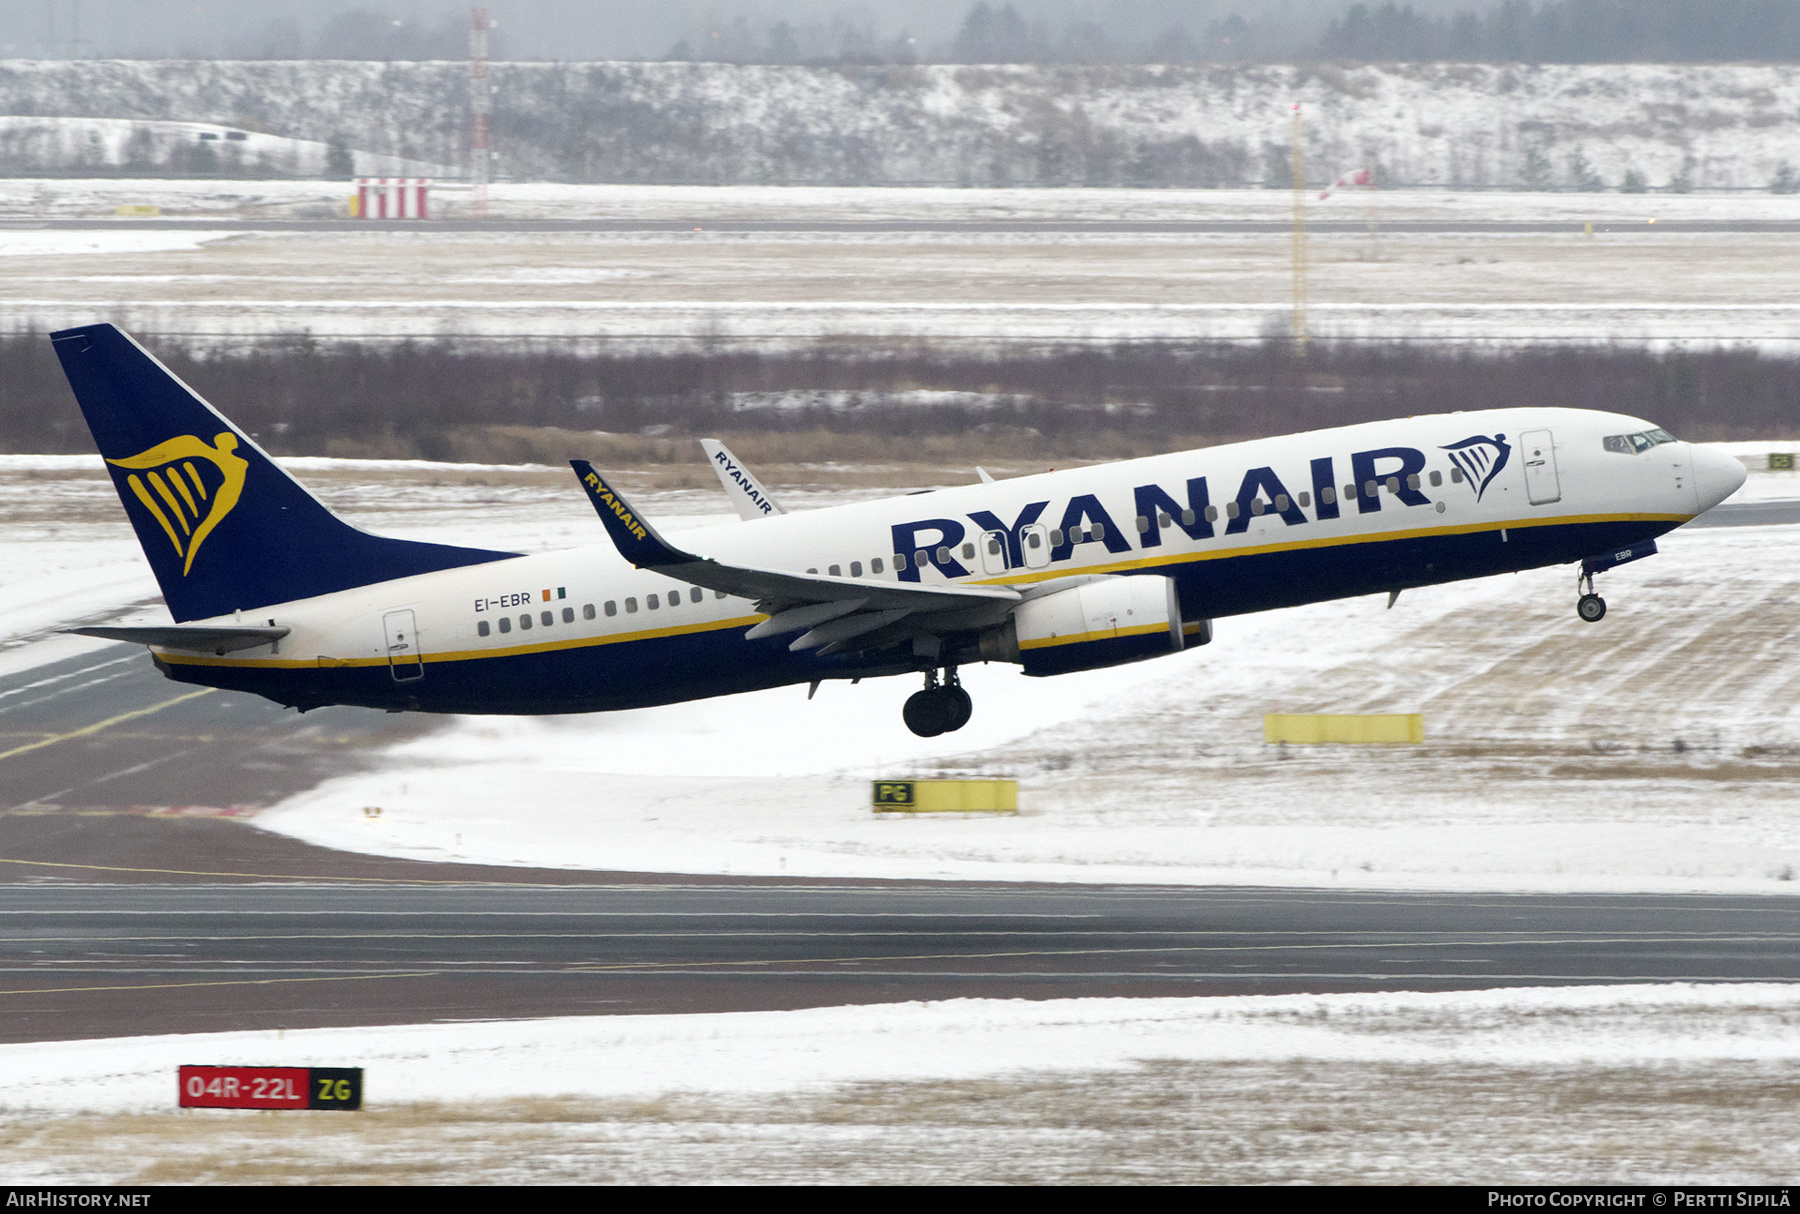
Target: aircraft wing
{"x": 836, "y": 613}
{"x": 205, "y": 638}
{"x": 748, "y": 497}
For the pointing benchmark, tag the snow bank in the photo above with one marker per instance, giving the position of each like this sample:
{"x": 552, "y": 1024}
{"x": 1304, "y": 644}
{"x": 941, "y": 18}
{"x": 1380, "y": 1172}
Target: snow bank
{"x": 769, "y": 1052}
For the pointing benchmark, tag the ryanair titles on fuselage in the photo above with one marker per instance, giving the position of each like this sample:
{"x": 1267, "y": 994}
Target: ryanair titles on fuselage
{"x": 1260, "y": 493}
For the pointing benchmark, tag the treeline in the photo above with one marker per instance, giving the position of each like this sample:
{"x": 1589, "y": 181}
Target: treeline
{"x": 421, "y": 400}
{"x": 1512, "y": 31}
{"x": 1573, "y": 31}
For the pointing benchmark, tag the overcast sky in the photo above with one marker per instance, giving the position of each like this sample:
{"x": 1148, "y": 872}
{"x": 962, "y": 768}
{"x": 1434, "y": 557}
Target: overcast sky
{"x": 580, "y": 29}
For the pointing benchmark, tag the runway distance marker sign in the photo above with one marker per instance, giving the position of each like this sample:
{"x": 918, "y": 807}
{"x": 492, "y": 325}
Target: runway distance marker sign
{"x": 270, "y": 1087}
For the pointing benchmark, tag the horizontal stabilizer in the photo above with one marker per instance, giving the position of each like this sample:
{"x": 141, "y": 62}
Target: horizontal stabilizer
{"x": 198, "y": 637}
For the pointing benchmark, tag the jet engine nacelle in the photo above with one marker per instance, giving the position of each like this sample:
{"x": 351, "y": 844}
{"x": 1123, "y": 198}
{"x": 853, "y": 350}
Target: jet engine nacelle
{"x": 1100, "y": 623}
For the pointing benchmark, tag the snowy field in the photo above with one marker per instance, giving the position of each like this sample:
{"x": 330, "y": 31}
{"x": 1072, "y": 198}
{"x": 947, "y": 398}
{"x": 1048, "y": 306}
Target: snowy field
{"x": 1655, "y": 751}
{"x": 616, "y": 290}
{"x": 1646, "y": 1085}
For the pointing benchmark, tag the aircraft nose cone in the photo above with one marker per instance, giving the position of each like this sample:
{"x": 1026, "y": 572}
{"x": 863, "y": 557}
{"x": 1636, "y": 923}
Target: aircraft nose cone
{"x": 1717, "y": 475}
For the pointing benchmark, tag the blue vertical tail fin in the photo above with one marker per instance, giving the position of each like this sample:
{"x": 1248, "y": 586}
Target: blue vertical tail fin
{"x": 224, "y": 528}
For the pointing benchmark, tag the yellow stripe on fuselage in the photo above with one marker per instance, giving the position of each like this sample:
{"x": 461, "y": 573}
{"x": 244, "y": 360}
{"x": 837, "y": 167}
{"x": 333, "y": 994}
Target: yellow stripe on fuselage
{"x": 1015, "y": 577}
{"x": 466, "y": 655}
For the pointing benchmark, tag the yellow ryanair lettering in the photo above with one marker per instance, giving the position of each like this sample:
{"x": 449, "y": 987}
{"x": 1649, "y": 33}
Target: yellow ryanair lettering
{"x": 189, "y": 528}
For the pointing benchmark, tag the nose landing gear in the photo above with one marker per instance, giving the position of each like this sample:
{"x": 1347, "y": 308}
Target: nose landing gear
{"x": 939, "y": 708}
{"x": 1590, "y": 606}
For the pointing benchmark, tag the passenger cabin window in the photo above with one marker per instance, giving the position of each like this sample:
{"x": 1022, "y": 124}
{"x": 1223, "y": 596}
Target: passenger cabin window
{"x": 899, "y": 561}
{"x": 1143, "y": 524}
{"x": 1232, "y": 510}
{"x": 968, "y": 552}
{"x": 481, "y": 628}
{"x": 1305, "y": 499}
{"x": 944, "y": 554}
{"x": 1412, "y": 481}
{"x": 568, "y": 615}
{"x": 612, "y": 607}
{"x": 651, "y": 602}
{"x": 546, "y": 618}
{"x": 1033, "y": 540}
{"x": 525, "y": 622}
{"x": 855, "y": 568}
{"x": 1437, "y": 478}
{"x": 1256, "y": 506}
{"x": 587, "y": 611}
{"x": 1328, "y": 496}
{"x": 1281, "y": 501}
{"x": 718, "y": 594}
{"x": 837, "y": 571}
{"x": 1212, "y": 514}
{"x": 505, "y": 624}
{"x": 1097, "y": 531}
{"x": 630, "y": 606}
{"x": 1056, "y": 536}
{"x": 874, "y": 565}
{"x": 1163, "y": 520}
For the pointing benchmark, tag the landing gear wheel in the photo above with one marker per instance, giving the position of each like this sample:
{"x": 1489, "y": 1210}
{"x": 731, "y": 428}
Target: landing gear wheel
{"x": 938, "y": 709}
{"x": 1591, "y": 607}
{"x": 928, "y": 713}
{"x": 961, "y": 706}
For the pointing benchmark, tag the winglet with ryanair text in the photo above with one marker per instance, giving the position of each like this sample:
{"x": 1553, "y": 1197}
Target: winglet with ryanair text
{"x": 636, "y": 540}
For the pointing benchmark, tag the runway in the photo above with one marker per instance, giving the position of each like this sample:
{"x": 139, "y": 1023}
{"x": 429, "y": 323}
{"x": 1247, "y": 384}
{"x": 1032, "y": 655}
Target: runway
{"x": 84, "y": 960}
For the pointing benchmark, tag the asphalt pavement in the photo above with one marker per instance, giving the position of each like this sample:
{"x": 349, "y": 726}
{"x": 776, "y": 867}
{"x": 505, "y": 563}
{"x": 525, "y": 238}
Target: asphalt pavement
{"x": 80, "y": 960}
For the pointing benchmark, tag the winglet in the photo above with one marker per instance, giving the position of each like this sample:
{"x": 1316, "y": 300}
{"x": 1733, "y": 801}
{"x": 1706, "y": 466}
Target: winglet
{"x": 748, "y": 496}
{"x": 636, "y": 540}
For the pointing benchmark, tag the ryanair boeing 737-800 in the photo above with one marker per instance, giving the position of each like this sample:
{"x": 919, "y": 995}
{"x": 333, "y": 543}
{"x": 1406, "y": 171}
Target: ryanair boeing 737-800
{"x": 272, "y": 593}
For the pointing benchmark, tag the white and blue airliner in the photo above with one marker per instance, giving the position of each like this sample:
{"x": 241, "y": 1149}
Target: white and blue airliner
{"x": 272, "y": 593}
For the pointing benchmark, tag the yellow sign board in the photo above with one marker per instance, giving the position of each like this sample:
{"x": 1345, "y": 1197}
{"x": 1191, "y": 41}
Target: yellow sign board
{"x": 946, "y": 796}
{"x": 136, "y": 209}
{"x": 1781, "y": 461}
{"x": 1308, "y": 729}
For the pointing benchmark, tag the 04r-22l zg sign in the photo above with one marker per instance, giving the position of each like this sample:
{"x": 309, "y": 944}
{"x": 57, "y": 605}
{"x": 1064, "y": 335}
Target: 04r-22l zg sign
{"x": 271, "y": 1087}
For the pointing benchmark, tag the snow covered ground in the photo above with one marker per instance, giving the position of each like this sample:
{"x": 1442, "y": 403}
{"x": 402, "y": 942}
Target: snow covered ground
{"x": 1445, "y": 124}
{"x": 1629, "y": 281}
{"x": 1656, "y": 750}
{"x": 1646, "y": 1084}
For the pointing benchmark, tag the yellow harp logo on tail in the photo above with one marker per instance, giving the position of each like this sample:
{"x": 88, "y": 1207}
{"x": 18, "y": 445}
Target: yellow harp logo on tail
{"x": 185, "y": 501}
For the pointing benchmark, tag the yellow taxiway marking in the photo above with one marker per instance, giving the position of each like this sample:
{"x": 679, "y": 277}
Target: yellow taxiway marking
{"x": 97, "y": 726}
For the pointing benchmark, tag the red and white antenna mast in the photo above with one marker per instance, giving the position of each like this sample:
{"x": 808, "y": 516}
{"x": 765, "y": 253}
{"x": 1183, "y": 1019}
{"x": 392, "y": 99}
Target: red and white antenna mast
{"x": 479, "y": 95}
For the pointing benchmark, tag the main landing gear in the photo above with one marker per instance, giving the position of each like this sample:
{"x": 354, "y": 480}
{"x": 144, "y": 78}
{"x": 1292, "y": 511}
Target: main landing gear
{"x": 1590, "y": 606}
{"x": 940, "y": 708}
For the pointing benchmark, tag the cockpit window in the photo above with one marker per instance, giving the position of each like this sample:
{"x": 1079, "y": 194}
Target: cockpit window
{"x": 1636, "y": 444}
